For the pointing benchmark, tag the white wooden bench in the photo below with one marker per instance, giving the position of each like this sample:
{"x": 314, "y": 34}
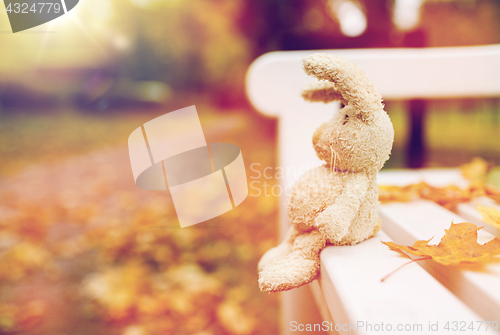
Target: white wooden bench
{"x": 349, "y": 290}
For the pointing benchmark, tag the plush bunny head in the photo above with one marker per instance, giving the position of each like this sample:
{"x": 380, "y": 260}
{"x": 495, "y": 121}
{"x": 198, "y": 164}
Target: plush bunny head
{"x": 359, "y": 137}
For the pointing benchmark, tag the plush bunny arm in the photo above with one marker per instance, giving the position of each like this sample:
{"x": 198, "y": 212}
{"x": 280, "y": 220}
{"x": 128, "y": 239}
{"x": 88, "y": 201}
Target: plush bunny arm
{"x": 335, "y": 220}
{"x": 322, "y": 91}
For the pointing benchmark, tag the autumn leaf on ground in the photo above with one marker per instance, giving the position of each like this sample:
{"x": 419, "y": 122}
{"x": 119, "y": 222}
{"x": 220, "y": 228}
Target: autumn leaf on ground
{"x": 490, "y": 215}
{"x": 458, "y": 245}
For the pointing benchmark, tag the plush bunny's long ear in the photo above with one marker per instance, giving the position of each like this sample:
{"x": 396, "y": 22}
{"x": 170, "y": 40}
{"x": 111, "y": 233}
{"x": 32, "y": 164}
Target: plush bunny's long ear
{"x": 322, "y": 91}
{"x": 348, "y": 79}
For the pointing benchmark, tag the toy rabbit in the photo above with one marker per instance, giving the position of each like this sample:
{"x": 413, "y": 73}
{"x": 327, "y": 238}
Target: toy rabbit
{"x": 335, "y": 203}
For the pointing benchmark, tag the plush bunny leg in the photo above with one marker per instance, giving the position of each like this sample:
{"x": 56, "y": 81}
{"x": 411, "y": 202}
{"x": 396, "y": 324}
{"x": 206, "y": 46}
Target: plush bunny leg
{"x": 280, "y": 251}
{"x": 300, "y": 267}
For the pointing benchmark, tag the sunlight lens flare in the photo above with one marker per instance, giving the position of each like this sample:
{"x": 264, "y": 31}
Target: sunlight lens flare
{"x": 406, "y": 13}
{"x": 351, "y": 18}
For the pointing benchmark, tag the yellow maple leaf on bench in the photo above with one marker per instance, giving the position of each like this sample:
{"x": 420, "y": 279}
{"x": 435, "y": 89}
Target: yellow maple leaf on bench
{"x": 490, "y": 215}
{"x": 458, "y": 245}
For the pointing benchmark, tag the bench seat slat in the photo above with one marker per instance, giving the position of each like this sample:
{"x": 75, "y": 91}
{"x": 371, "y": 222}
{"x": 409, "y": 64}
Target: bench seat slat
{"x": 406, "y": 223}
{"x": 351, "y": 283}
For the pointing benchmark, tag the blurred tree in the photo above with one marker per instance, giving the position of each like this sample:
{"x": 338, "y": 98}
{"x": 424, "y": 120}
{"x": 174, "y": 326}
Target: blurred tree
{"x": 461, "y": 22}
{"x": 192, "y": 45}
{"x": 206, "y": 46}
{"x": 316, "y": 24}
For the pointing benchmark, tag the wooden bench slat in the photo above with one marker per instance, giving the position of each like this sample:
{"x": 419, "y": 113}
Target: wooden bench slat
{"x": 406, "y": 223}
{"x": 433, "y": 177}
{"x": 274, "y": 80}
{"x": 351, "y": 283}
{"x": 319, "y": 299}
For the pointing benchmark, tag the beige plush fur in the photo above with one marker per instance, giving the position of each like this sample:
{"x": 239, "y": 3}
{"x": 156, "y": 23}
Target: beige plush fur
{"x": 337, "y": 202}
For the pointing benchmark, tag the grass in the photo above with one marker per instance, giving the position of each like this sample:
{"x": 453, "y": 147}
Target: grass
{"x": 474, "y": 130}
{"x": 26, "y": 139}
{"x": 455, "y": 132}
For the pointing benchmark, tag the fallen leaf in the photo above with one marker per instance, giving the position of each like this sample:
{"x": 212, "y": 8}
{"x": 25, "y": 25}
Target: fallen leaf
{"x": 389, "y": 193}
{"x": 490, "y": 215}
{"x": 458, "y": 245}
{"x": 448, "y": 196}
{"x": 234, "y": 319}
{"x": 492, "y": 192}
{"x": 476, "y": 171}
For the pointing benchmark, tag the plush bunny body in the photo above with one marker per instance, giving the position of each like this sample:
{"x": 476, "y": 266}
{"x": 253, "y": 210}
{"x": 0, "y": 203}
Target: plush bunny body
{"x": 337, "y": 202}
{"x": 335, "y": 195}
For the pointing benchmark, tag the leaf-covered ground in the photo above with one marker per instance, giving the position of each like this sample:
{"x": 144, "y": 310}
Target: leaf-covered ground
{"x": 84, "y": 251}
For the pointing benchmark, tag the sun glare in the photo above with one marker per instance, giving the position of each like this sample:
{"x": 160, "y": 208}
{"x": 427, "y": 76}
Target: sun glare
{"x": 351, "y": 18}
{"x": 406, "y": 13}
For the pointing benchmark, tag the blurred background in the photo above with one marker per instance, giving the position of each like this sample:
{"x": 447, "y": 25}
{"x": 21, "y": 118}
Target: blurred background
{"x": 82, "y": 249}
